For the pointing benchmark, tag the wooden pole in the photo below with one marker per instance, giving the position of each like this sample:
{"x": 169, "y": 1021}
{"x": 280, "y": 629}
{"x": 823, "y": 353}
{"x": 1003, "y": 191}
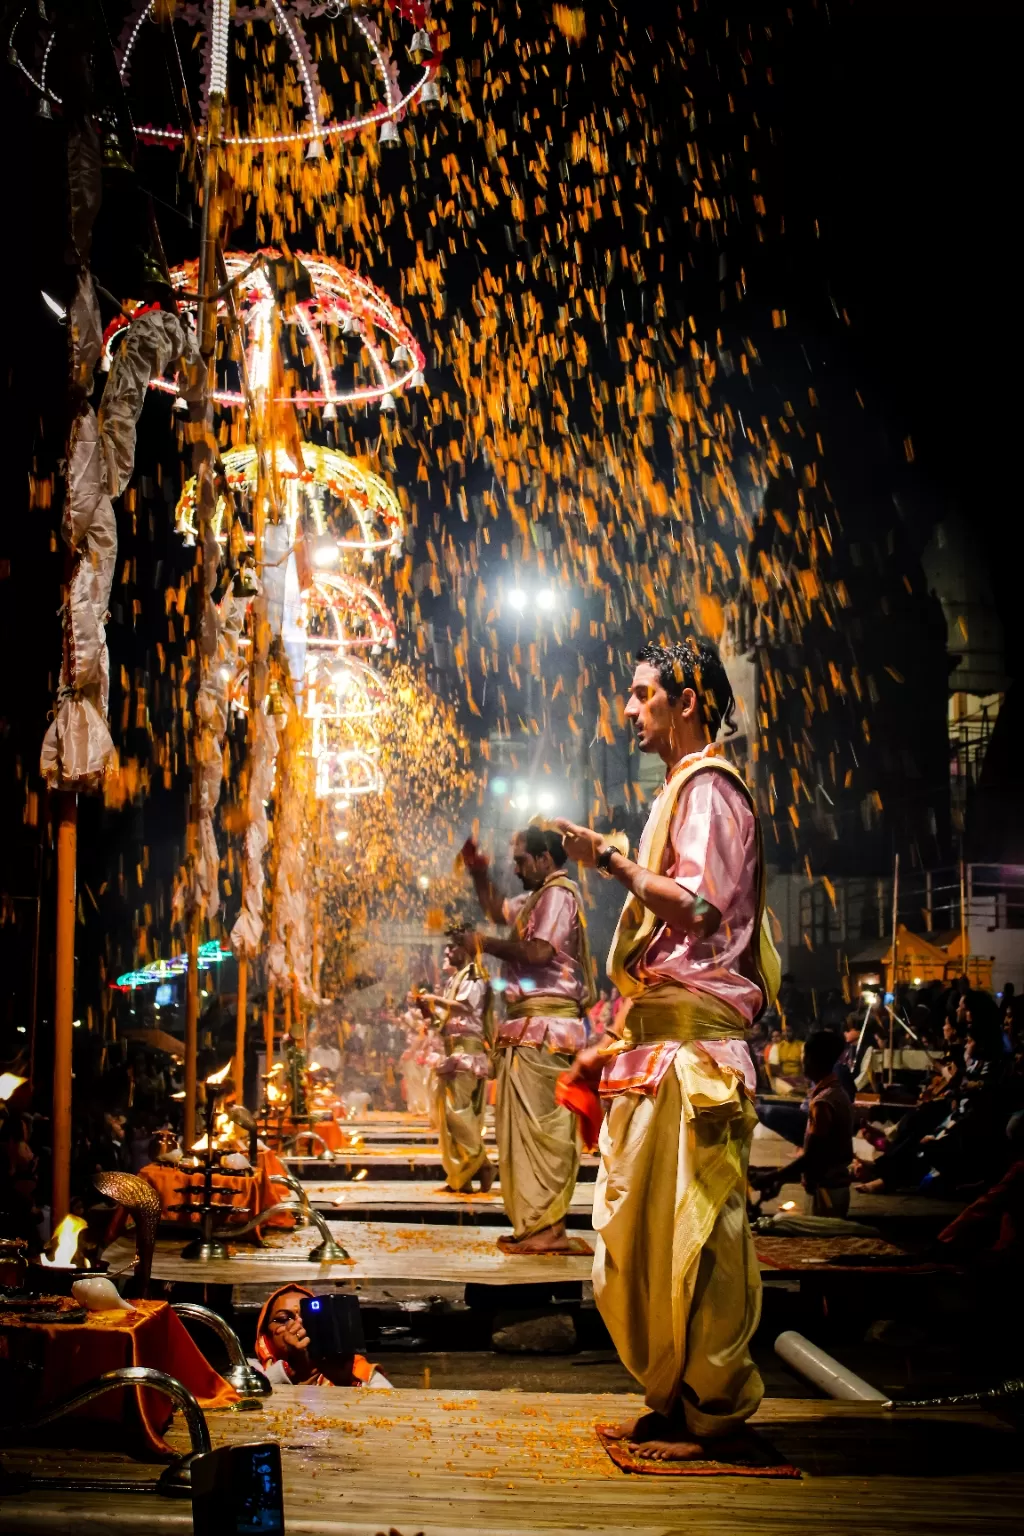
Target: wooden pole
{"x": 963, "y": 920}
{"x": 240, "y": 1021}
{"x": 191, "y": 1029}
{"x": 64, "y": 1004}
{"x": 204, "y": 450}
{"x": 895, "y": 965}
{"x": 268, "y": 1027}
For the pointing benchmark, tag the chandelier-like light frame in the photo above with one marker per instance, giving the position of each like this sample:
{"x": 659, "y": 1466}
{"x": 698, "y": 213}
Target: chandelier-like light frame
{"x": 342, "y": 300}
{"x": 213, "y": 20}
{"x": 372, "y": 504}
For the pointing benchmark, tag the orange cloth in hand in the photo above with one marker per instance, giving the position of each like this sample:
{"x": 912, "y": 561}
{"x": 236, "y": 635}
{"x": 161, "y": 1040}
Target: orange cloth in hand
{"x": 73, "y": 1353}
{"x": 585, "y": 1105}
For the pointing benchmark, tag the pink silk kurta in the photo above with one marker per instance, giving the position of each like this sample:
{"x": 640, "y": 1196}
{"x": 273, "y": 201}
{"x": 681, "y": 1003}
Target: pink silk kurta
{"x": 554, "y": 919}
{"x": 712, "y": 853}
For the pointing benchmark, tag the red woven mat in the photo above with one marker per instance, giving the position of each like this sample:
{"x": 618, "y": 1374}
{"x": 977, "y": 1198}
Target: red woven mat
{"x": 746, "y": 1455}
{"x": 831, "y": 1252}
{"x": 571, "y": 1245}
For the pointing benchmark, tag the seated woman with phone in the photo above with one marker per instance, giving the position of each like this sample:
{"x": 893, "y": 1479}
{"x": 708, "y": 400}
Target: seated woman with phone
{"x": 308, "y": 1340}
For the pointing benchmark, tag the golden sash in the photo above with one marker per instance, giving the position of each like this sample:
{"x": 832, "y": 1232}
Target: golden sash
{"x": 637, "y": 924}
{"x": 671, "y": 1012}
{"x": 544, "y": 1005}
{"x": 585, "y": 958}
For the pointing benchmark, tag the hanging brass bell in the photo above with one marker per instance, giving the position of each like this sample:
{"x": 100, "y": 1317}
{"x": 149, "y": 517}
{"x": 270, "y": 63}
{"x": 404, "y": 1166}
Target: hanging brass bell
{"x": 113, "y": 156}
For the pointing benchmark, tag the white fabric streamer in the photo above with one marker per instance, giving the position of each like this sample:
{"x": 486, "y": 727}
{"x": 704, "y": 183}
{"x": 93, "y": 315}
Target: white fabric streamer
{"x": 248, "y": 928}
{"x": 78, "y": 749}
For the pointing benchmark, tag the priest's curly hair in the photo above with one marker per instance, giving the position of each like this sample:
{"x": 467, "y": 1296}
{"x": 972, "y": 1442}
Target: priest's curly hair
{"x": 695, "y": 663}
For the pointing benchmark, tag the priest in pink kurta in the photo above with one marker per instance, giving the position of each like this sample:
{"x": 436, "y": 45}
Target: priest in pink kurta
{"x": 675, "y": 1274}
{"x": 547, "y": 987}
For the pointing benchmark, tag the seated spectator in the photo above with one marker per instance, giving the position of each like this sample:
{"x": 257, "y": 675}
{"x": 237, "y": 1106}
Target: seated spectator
{"x": 958, "y": 1131}
{"x": 824, "y": 1165}
{"x": 282, "y": 1348}
{"x": 784, "y": 1061}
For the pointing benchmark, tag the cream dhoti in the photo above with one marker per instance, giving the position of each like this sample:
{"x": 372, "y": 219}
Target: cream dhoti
{"x": 538, "y": 1140}
{"x": 676, "y": 1278}
{"x": 460, "y": 1097}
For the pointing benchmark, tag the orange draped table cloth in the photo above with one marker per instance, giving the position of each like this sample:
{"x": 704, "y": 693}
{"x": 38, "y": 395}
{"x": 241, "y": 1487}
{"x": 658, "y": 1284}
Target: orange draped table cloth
{"x": 331, "y": 1132}
{"x": 67, "y": 1355}
{"x": 240, "y": 1194}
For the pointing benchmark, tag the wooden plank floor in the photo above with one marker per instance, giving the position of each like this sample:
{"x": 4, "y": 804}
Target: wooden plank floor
{"x": 380, "y": 1251}
{"x": 514, "y": 1464}
{"x": 384, "y": 1196}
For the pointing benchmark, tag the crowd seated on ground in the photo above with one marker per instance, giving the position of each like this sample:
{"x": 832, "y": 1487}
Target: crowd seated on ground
{"x": 962, "y": 1125}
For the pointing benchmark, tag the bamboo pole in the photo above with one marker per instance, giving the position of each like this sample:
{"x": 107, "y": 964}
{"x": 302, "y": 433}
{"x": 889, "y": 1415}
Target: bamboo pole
{"x": 204, "y": 448}
{"x": 963, "y": 920}
{"x": 64, "y": 1004}
{"x": 268, "y": 1027}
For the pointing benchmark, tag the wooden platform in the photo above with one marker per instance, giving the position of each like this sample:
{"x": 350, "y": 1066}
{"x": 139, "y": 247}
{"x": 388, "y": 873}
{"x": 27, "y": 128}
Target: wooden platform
{"x": 381, "y": 1252}
{"x": 514, "y": 1464}
{"x": 390, "y": 1162}
{"x": 382, "y": 1196}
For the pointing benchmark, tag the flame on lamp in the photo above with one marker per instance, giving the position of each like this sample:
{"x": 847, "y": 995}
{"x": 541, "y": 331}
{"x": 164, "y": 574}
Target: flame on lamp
{"x": 788, "y": 1205}
{"x": 9, "y": 1084}
{"x": 199, "y": 1146}
{"x": 215, "y": 1078}
{"x": 66, "y": 1236}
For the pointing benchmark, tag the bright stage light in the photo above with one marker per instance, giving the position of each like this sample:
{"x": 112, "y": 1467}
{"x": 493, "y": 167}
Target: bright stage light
{"x": 499, "y": 786}
{"x": 545, "y": 802}
{"x": 546, "y": 599}
{"x": 518, "y": 598}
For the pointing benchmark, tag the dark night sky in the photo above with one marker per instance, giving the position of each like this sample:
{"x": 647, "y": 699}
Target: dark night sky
{"x": 893, "y": 132}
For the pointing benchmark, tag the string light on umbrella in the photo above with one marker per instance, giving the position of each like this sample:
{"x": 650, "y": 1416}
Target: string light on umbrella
{"x": 344, "y": 308}
{"x": 211, "y": 23}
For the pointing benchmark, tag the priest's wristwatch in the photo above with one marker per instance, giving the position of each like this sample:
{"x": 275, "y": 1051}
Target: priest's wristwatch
{"x": 603, "y": 861}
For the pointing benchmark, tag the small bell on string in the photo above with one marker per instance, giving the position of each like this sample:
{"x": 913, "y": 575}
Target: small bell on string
{"x": 152, "y": 273}
{"x": 417, "y": 380}
{"x": 113, "y": 156}
{"x": 389, "y": 132}
{"x": 430, "y": 95}
{"x": 399, "y": 355}
{"x": 315, "y": 149}
{"x": 275, "y": 704}
{"x": 420, "y": 46}
{"x": 330, "y": 411}
{"x": 43, "y": 109}
{"x": 387, "y": 403}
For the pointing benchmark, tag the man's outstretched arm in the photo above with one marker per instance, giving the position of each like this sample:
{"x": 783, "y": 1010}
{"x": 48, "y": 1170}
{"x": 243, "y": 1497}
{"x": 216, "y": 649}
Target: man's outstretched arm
{"x": 670, "y": 902}
{"x": 487, "y": 893}
{"x": 518, "y": 951}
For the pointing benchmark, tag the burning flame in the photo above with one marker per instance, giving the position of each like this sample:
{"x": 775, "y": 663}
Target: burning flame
{"x": 9, "y": 1084}
{"x": 788, "y": 1205}
{"x": 362, "y": 1174}
{"x": 275, "y": 1094}
{"x": 200, "y": 1145}
{"x": 216, "y": 1078}
{"x": 66, "y": 1237}
{"x": 314, "y": 1066}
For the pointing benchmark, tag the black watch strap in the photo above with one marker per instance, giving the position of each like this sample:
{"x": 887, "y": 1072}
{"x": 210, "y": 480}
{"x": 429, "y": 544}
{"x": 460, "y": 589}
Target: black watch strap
{"x": 604, "y": 858}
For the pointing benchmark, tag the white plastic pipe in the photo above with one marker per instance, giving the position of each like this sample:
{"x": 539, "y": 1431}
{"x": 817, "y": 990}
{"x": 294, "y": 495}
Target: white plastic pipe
{"x": 823, "y": 1371}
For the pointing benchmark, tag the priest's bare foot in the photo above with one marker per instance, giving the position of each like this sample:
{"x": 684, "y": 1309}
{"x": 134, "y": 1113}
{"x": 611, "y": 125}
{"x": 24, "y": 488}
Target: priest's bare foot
{"x": 872, "y": 1187}
{"x": 486, "y": 1176}
{"x": 548, "y": 1240}
{"x": 660, "y": 1438}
